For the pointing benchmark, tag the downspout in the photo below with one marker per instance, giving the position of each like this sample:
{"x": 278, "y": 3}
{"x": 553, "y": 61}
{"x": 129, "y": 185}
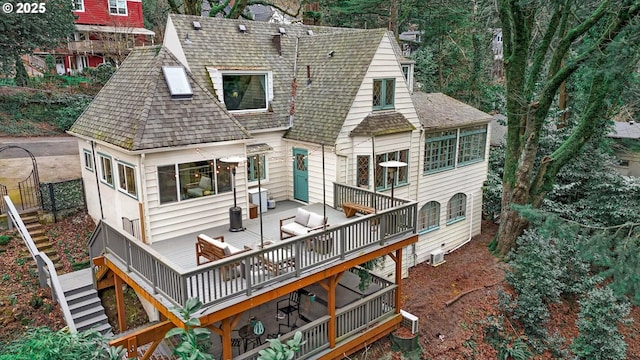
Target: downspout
{"x": 470, "y": 230}
{"x": 142, "y": 199}
{"x": 95, "y": 172}
{"x": 413, "y": 246}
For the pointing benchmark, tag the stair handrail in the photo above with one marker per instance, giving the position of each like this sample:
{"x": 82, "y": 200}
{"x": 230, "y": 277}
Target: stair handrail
{"x": 46, "y": 270}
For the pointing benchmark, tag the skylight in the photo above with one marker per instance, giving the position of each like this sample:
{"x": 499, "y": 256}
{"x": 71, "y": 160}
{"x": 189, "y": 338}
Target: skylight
{"x": 176, "y": 78}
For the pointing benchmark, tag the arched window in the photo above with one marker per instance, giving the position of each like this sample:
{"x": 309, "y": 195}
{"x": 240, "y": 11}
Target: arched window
{"x": 457, "y": 209}
{"x": 429, "y": 216}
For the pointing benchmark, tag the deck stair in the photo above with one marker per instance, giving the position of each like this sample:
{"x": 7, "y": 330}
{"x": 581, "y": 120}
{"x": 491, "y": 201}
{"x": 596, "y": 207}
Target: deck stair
{"x": 85, "y": 305}
{"x": 36, "y": 230}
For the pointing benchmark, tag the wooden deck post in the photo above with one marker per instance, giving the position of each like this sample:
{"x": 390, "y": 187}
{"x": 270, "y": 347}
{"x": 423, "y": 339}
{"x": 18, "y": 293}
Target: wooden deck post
{"x": 227, "y": 350}
{"x": 398, "y": 280}
{"x": 122, "y": 316}
{"x": 331, "y": 307}
{"x": 143, "y": 236}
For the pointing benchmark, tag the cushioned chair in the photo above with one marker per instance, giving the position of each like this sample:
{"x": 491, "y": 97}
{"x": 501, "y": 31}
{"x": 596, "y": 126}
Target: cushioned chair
{"x": 303, "y": 223}
{"x": 201, "y": 188}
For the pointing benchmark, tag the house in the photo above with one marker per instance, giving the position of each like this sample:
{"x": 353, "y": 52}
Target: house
{"x": 325, "y": 119}
{"x": 626, "y": 136}
{"x": 105, "y": 31}
{"x": 411, "y": 41}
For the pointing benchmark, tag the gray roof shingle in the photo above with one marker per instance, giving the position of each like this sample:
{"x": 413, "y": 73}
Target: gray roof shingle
{"x": 322, "y": 106}
{"x": 382, "y": 123}
{"x": 219, "y": 44}
{"x": 135, "y": 111}
{"x": 625, "y": 130}
{"x": 438, "y": 110}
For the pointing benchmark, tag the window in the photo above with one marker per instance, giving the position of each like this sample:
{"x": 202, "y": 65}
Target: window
{"x": 106, "y": 174}
{"x": 88, "y": 160}
{"x": 127, "y": 179}
{"x": 472, "y": 144}
{"x": 78, "y": 5}
{"x": 252, "y": 167}
{"x": 118, "y": 7}
{"x": 363, "y": 170}
{"x": 440, "y": 150}
{"x": 384, "y": 176}
{"x": 429, "y": 216}
{"x": 457, "y": 208}
{"x": 245, "y": 91}
{"x": 383, "y": 93}
{"x": 193, "y": 180}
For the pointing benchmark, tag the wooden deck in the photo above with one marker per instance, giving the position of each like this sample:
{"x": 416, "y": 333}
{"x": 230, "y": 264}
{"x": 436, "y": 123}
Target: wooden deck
{"x": 181, "y": 252}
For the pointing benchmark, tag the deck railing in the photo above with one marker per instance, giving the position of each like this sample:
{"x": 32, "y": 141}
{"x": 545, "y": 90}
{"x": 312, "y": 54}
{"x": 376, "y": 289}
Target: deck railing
{"x": 247, "y": 272}
{"x": 350, "y": 320}
{"x": 345, "y": 193}
{"x": 46, "y": 270}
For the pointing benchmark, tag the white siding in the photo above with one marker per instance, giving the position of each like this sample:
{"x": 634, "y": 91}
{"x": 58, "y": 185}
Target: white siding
{"x": 278, "y": 161}
{"x": 115, "y": 203}
{"x": 172, "y": 42}
{"x": 179, "y": 218}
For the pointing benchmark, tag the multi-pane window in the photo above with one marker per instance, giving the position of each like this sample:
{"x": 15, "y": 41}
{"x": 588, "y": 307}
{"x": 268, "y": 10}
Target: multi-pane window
{"x": 363, "y": 170}
{"x": 88, "y": 160}
{"x": 127, "y": 179}
{"x": 118, "y": 7}
{"x": 106, "y": 170}
{"x": 385, "y": 176}
{"x": 244, "y": 91}
{"x": 193, "y": 180}
{"x": 472, "y": 144}
{"x": 440, "y": 150}
{"x": 383, "y": 93}
{"x": 78, "y": 5}
{"x": 457, "y": 208}
{"x": 252, "y": 167}
{"x": 429, "y": 216}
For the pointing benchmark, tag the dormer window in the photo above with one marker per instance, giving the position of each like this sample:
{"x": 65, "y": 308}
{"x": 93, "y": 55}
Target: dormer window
{"x": 118, "y": 7}
{"x": 245, "y": 91}
{"x": 383, "y": 93}
{"x": 78, "y": 5}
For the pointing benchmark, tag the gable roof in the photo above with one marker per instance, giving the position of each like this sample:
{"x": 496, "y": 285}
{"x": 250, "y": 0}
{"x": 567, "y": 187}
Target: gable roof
{"x": 220, "y": 44}
{"x": 437, "y": 110}
{"x": 322, "y": 105}
{"x": 135, "y": 111}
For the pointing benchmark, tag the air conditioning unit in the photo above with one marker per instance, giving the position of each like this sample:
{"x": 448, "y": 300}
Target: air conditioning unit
{"x": 437, "y": 257}
{"x": 410, "y": 321}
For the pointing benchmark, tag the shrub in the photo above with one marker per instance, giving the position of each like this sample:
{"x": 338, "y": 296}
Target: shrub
{"x": 279, "y": 351}
{"x": 46, "y": 344}
{"x": 194, "y": 339}
{"x": 4, "y": 239}
{"x": 599, "y": 339}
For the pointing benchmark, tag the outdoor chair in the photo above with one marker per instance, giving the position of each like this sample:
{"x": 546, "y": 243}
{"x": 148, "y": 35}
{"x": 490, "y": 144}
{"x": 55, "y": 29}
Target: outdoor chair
{"x": 287, "y": 307}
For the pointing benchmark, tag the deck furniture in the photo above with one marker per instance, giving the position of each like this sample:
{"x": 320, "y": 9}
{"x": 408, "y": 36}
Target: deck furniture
{"x": 350, "y": 209}
{"x": 303, "y": 223}
{"x": 249, "y": 336}
{"x": 289, "y": 306}
{"x": 212, "y": 249}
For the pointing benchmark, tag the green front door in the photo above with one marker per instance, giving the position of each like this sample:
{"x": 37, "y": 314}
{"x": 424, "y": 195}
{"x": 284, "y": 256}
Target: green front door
{"x": 300, "y": 175}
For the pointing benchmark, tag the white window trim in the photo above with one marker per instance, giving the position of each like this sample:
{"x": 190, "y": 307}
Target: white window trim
{"x": 90, "y": 166}
{"x": 81, "y": 8}
{"x": 266, "y": 171}
{"x": 123, "y": 190}
{"x": 126, "y": 9}
{"x": 216, "y": 78}
{"x": 102, "y": 173}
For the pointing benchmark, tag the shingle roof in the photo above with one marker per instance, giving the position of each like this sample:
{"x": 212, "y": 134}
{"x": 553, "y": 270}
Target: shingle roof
{"x": 219, "y": 44}
{"x": 135, "y": 111}
{"x": 626, "y": 130}
{"x": 438, "y": 110}
{"x": 382, "y": 123}
{"x": 322, "y": 106}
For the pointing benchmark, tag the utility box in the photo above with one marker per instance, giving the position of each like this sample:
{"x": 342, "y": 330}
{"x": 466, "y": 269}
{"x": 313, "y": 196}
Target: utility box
{"x": 258, "y": 197}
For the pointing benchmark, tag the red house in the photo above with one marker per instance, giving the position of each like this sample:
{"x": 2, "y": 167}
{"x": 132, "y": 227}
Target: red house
{"x": 105, "y": 32}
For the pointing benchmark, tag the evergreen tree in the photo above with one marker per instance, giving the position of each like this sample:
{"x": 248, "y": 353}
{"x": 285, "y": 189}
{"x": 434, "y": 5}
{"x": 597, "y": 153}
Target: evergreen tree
{"x": 21, "y": 78}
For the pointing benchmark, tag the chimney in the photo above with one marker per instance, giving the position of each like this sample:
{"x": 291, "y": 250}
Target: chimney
{"x": 276, "y": 42}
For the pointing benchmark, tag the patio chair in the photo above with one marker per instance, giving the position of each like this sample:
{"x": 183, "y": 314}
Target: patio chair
{"x": 288, "y": 306}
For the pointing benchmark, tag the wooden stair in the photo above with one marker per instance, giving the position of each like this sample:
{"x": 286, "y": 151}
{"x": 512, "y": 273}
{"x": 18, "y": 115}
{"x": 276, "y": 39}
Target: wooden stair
{"x": 83, "y": 300}
{"x": 36, "y": 230}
